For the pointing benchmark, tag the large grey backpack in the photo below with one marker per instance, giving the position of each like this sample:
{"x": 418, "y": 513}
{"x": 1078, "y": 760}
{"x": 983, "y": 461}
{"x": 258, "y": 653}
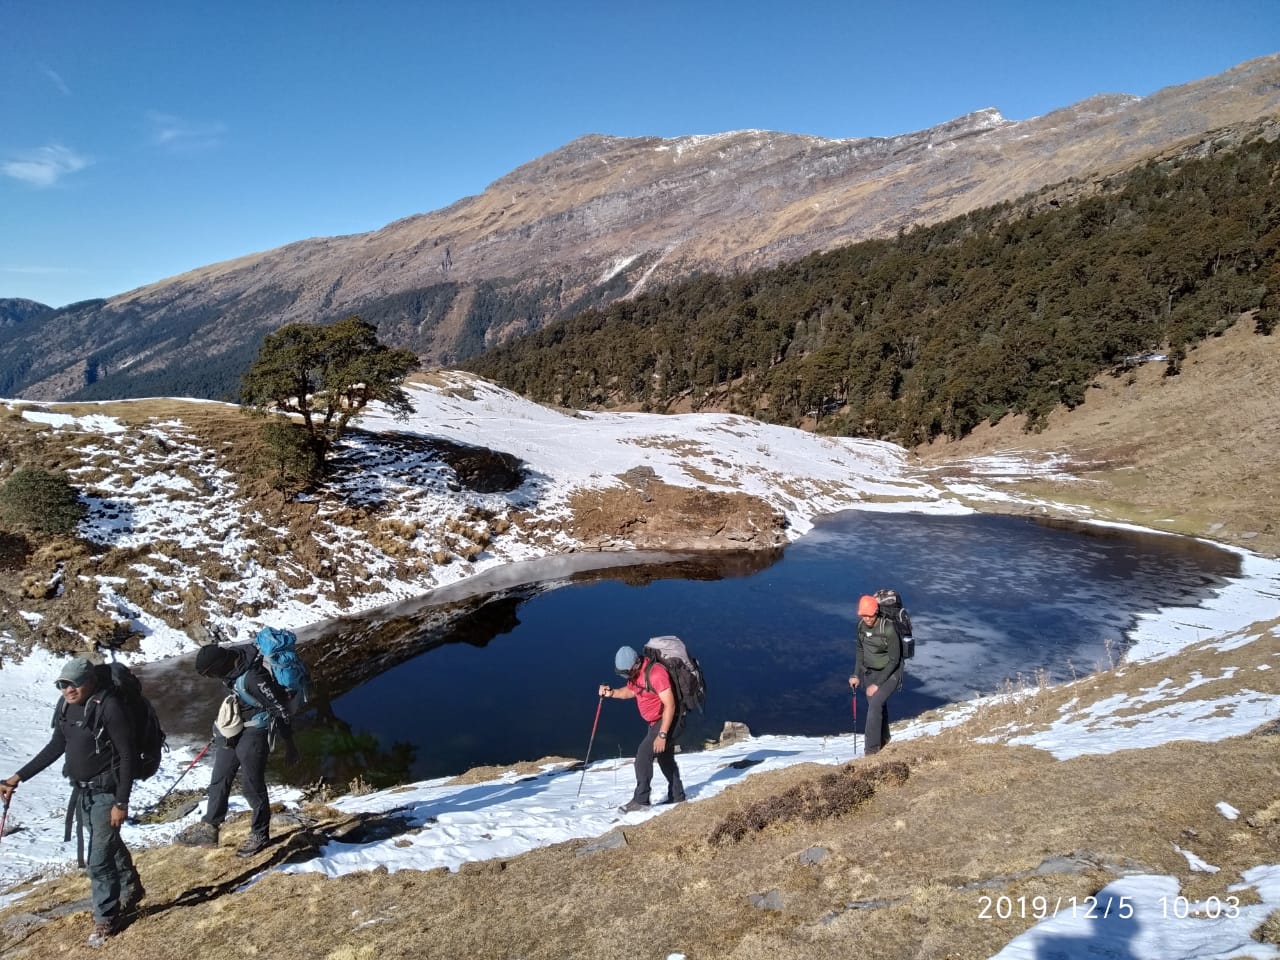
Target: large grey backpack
{"x": 687, "y": 680}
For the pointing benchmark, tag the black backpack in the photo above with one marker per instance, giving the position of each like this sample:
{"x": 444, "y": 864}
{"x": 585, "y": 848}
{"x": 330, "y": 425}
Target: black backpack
{"x": 116, "y": 679}
{"x": 892, "y": 607}
{"x": 687, "y": 680}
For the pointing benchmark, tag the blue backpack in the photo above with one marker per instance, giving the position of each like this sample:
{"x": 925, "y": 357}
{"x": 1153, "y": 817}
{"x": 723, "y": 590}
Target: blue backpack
{"x": 279, "y": 653}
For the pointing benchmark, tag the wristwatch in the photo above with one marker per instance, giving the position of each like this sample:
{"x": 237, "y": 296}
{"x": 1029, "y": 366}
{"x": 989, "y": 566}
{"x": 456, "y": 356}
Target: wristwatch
{"x": 662, "y": 733}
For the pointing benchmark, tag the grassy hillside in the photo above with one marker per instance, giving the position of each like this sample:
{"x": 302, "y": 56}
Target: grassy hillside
{"x": 1193, "y": 454}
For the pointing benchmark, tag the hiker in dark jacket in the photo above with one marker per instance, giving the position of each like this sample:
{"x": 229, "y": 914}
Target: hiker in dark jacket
{"x": 264, "y": 711}
{"x": 650, "y": 686}
{"x": 91, "y": 729}
{"x": 877, "y": 667}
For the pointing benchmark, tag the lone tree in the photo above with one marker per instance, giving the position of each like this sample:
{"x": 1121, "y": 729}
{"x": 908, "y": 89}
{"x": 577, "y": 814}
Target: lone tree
{"x": 40, "y": 500}
{"x": 328, "y": 375}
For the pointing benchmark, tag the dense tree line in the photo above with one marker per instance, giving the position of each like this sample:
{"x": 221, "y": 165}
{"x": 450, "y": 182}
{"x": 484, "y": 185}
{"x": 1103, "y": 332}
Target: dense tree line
{"x": 1013, "y": 308}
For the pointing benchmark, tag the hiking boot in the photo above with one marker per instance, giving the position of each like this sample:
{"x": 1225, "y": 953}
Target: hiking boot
{"x": 252, "y": 844}
{"x": 631, "y": 806}
{"x": 199, "y": 834}
{"x": 671, "y": 799}
{"x": 102, "y": 931}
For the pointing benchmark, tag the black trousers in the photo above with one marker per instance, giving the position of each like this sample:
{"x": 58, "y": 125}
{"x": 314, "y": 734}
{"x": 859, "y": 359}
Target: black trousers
{"x": 246, "y": 754}
{"x": 666, "y": 763}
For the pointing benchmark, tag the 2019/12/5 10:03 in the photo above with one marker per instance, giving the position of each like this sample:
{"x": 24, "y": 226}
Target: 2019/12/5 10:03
{"x": 1100, "y": 908}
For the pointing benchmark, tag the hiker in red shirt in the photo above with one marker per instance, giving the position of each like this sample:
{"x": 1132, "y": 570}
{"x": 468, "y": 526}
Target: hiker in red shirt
{"x": 650, "y": 685}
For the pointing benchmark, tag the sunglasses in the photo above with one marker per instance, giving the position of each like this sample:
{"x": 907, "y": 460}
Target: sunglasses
{"x": 64, "y": 684}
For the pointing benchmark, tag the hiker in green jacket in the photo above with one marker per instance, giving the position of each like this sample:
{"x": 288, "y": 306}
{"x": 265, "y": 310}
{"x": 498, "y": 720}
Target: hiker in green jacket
{"x": 877, "y": 668}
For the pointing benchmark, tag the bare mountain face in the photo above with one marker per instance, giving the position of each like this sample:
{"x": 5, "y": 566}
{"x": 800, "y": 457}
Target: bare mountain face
{"x": 597, "y": 220}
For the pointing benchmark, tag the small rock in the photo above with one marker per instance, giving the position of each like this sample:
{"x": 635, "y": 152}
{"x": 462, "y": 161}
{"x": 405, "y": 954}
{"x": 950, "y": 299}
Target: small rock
{"x": 733, "y": 732}
{"x": 767, "y": 901}
{"x": 610, "y": 841}
{"x": 814, "y": 855}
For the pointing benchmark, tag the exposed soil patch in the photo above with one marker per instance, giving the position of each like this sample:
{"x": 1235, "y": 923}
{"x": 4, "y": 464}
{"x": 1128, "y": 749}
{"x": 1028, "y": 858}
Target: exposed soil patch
{"x": 656, "y": 516}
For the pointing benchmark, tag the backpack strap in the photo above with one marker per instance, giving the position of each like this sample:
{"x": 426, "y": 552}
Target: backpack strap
{"x": 259, "y": 715}
{"x": 648, "y": 670}
{"x": 95, "y": 721}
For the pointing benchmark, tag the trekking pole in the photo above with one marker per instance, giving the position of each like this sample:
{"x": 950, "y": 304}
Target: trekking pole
{"x": 855, "y": 723}
{"x": 4, "y": 817}
{"x": 165, "y": 795}
{"x": 594, "y": 724}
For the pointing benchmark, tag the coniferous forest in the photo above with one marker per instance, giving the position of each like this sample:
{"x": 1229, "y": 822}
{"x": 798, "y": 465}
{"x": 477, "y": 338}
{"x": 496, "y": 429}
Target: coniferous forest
{"x": 1010, "y": 309}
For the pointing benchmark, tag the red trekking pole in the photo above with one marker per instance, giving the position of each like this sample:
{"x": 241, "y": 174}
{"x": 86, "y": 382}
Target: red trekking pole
{"x": 165, "y": 795}
{"x": 589, "y": 743}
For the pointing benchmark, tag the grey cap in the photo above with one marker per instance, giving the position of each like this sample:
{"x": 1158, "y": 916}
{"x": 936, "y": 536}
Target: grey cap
{"x": 625, "y": 659}
{"x": 76, "y": 671}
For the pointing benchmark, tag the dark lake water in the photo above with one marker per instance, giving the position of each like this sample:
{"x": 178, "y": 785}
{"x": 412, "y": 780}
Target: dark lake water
{"x": 513, "y": 675}
{"x": 992, "y": 598}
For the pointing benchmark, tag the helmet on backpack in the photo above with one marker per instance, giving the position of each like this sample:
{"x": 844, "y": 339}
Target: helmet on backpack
{"x": 868, "y": 606}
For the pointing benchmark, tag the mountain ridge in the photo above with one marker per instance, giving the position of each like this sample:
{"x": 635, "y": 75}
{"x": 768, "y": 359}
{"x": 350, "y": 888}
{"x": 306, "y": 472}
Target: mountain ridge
{"x": 536, "y": 243}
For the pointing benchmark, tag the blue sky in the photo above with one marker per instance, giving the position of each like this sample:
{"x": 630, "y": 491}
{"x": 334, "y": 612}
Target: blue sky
{"x": 139, "y": 140}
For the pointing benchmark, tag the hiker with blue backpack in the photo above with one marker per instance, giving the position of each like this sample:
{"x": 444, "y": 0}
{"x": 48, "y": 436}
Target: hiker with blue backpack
{"x": 92, "y": 729}
{"x": 257, "y": 710}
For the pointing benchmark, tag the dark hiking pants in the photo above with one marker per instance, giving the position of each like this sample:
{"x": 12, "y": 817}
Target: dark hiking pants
{"x": 666, "y": 763}
{"x": 878, "y": 712}
{"x": 245, "y": 753}
{"x": 109, "y": 865}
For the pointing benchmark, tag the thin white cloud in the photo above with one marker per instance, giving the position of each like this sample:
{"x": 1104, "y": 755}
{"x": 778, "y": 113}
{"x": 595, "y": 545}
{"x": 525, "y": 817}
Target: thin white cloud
{"x": 179, "y": 134}
{"x": 56, "y": 79}
{"x": 35, "y": 271}
{"x": 44, "y": 166}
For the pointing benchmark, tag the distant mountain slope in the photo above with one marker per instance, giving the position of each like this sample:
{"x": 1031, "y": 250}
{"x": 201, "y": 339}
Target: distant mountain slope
{"x": 14, "y": 311}
{"x": 1013, "y": 308}
{"x": 595, "y": 221}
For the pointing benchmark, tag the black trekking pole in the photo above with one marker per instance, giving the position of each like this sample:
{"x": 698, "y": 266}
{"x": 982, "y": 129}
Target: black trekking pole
{"x": 855, "y": 724}
{"x": 165, "y": 795}
{"x": 594, "y": 724}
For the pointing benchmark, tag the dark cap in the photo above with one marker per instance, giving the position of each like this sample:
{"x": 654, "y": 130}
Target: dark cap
{"x": 215, "y": 661}
{"x": 76, "y": 672}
